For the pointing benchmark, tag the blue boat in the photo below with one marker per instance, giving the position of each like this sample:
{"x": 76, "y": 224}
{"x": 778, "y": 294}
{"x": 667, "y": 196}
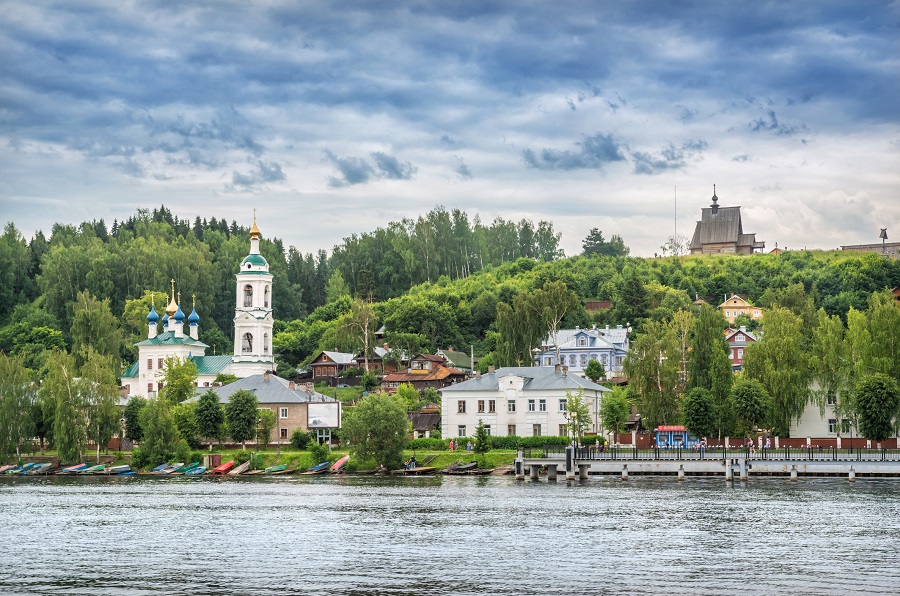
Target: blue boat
{"x": 318, "y": 468}
{"x": 159, "y": 468}
{"x": 195, "y": 471}
{"x": 116, "y": 470}
{"x": 73, "y": 469}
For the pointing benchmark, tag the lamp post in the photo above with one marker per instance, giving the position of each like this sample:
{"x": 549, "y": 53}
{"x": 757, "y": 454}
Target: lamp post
{"x": 883, "y": 237}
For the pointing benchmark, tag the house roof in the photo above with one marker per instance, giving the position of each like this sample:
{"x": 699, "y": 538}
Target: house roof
{"x": 457, "y": 358}
{"x": 211, "y": 365}
{"x": 730, "y": 333}
{"x": 604, "y": 337}
{"x": 422, "y": 421}
{"x": 430, "y": 357}
{"x": 270, "y": 389}
{"x": 168, "y": 338}
{"x": 336, "y": 357}
{"x": 438, "y": 373}
{"x": 537, "y": 378}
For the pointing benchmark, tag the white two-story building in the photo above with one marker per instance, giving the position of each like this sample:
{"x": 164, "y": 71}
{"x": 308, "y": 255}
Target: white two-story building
{"x": 517, "y": 401}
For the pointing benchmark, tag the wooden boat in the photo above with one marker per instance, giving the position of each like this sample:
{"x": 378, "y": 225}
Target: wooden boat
{"x": 6, "y": 468}
{"x": 195, "y": 471}
{"x": 466, "y": 467}
{"x": 415, "y": 471}
{"x": 339, "y": 464}
{"x": 23, "y": 469}
{"x": 170, "y": 468}
{"x": 39, "y": 469}
{"x": 223, "y": 469}
{"x": 158, "y": 468}
{"x": 239, "y": 469}
{"x": 278, "y": 468}
{"x": 317, "y": 469}
{"x": 73, "y": 469}
{"x": 115, "y": 470}
{"x": 93, "y": 469}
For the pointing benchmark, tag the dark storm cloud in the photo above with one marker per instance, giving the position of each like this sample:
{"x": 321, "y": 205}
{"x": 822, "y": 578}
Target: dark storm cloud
{"x": 357, "y": 170}
{"x": 668, "y": 158}
{"x": 592, "y": 153}
{"x": 390, "y": 167}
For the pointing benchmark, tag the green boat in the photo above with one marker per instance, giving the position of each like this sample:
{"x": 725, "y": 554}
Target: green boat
{"x": 190, "y": 466}
{"x": 277, "y": 468}
{"x": 93, "y": 469}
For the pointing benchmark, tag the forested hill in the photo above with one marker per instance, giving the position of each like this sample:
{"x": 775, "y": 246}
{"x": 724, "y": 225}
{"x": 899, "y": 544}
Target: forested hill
{"x": 434, "y": 282}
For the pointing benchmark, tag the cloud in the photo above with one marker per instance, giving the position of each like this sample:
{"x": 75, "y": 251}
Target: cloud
{"x": 462, "y": 170}
{"x": 769, "y": 122}
{"x": 668, "y": 158}
{"x": 593, "y": 153}
{"x": 264, "y": 172}
{"x": 356, "y": 170}
{"x": 390, "y": 167}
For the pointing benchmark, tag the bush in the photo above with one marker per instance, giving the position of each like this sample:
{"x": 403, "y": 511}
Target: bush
{"x": 320, "y": 452}
{"x": 138, "y": 459}
{"x": 182, "y": 451}
{"x": 196, "y": 456}
{"x": 300, "y": 438}
{"x": 259, "y": 461}
{"x": 526, "y": 442}
{"x": 241, "y": 457}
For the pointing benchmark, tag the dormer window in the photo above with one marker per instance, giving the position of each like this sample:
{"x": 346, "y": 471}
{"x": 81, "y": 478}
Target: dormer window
{"x": 582, "y": 341}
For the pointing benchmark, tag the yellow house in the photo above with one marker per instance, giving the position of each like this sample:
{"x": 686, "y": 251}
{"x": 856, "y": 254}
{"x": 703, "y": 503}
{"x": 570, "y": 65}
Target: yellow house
{"x": 737, "y": 306}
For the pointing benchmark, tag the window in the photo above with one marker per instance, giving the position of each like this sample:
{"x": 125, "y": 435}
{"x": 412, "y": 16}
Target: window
{"x": 583, "y": 360}
{"x": 284, "y": 412}
{"x": 562, "y": 404}
{"x": 593, "y": 356}
{"x": 536, "y": 430}
{"x": 461, "y": 430}
{"x": 248, "y": 295}
{"x": 572, "y": 360}
{"x": 265, "y": 343}
{"x": 282, "y": 432}
{"x": 740, "y": 353}
{"x": 542, "y": 405}
{"x": 564, "y": 430}
{"x": 510, "y": 430}
{"x": 845, "y": 425}
{"x": 531, "y": 405}
{"x": 727, "y": 313}
{"x": 159, "y": 363}
{"x": 831, "y": 400}
{"x": 510, "y": 405}
{"x": 756, "y": 314}
{"x": 248, "y": 343}
{"x": 461, "y": 407}
{"x": 832, "y": 425}
{"x": 492, "y": 406}
{"x": 481, "y": 406}
{"x": 582, "y": 341}
{"x": 548, "y": 361}
{"x": 604, "y": 359}
{"x": 266, "y": 297}
{"x": 149, "y": 387}
{"x": 739, "y": 337}
{"x": 487, "y": 429}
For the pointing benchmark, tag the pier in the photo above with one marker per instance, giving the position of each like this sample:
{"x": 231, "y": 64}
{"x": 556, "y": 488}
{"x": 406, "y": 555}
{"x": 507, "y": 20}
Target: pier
{"x": 741, "y": 463}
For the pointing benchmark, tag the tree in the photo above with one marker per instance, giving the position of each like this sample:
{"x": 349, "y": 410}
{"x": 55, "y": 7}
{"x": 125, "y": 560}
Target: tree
{"x": 17, "y": 393}
{"x": 700, "y": 415}
{"x": 615, "y": 409}
{"x": 751, "y": 404}
{"x": 61, "y": 386}
{"x": 368, "y": 380}
{"x": 336, "y": 287}
{"x": 831, "y": 367}
{"x": 159, "y": 435}
{"x": 579, "y": 415}
{"x": 412, "y": 399}
{"x": 779, "y": 361}
{"x": 41, "y": 414}
{"x": 185, "y": 417}
{"x": 360, "y": 325}
{"x": 132, "y": 414}
{"x": 876, "y": 403}
{"x": 377, "y": 429}
{"x": 210, "y": 416}
{"x": 595, "y": 371}
{"x": 179, "y": 379}
{"x": 240, "y": 415}
{"x": 265, "y": 422}
{"x": 95, "y": 326}
{"x": 101, "y": 396}
{"x": 709, "y": 366}
{"x": 652, "y": 367}
{"x": 594, "y": 244}
{"x": 482, "y": 440}
{"x": 633, "y": 300}
{"x": 225, "y": 379}
{"x": 557, "y": 300}
{"x": 676, "y": 245}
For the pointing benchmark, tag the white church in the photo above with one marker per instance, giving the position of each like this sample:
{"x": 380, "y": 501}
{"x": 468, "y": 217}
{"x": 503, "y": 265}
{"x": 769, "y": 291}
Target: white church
{"x": 252, "y": 333}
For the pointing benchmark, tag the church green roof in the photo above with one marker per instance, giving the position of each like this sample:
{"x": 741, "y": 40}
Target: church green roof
{"x": 168, "y": 339}
{"x": 131, "y": 371}
{"x": 257, "y": 260}
{"x": 211, "y": 365}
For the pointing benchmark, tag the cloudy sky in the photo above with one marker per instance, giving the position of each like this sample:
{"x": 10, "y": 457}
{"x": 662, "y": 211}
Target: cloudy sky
{"x": 339, "y": 117}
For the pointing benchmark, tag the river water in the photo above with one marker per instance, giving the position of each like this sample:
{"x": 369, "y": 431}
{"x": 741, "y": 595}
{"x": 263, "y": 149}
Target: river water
{"x": 447, "y": 535}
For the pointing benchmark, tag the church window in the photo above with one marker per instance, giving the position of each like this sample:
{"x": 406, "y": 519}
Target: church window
{"x": 266, "y": 297}
{"x": 248, "y": 343}
{"x": 248, "y": 295}
{"x": 149, "y": 387}
{"x": 149, "y": 363}
{"x": 159, "y": 363}
{"x": 265, "y": 343}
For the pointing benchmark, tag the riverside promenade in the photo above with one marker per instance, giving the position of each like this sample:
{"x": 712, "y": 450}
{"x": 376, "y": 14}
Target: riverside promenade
{"x": 729, "y": 463}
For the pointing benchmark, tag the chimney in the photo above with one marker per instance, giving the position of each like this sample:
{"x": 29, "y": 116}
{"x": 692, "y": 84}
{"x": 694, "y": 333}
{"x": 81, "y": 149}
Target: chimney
{"x": 565, "y": 370}
{"x": 477, "y": 374}
{"x": 556, "y": 368}
{"x": 291, "y": 386}
{"x": 744, "y": 328}
{"x": 491, "y": 369}
{"x": 266, "y": 377}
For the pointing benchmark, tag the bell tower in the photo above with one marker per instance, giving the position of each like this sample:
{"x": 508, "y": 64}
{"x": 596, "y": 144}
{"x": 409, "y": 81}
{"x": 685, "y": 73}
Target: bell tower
{"x": 253, "y": 313}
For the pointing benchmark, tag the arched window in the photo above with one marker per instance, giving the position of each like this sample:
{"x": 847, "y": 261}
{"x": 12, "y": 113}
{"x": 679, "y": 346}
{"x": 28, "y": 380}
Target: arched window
{"x": 593, "y": 356}
{"x": 582, "y": 341}
{"x": 248, "y": 295}
{"x": 266, "y": 341}
{"x": 583, "y": 360}
{"x": 247, "y": 347}
{"x": 266, "y": 297}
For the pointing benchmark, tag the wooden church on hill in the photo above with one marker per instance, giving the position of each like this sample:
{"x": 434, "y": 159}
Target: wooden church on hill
{"x": 720, "y": 231}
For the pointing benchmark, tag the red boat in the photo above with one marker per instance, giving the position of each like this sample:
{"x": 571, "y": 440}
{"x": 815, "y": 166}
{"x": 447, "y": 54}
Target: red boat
{"x": 223, "y": 469}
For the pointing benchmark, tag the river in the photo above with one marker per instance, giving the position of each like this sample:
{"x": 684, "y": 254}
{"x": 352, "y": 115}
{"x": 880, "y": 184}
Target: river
{"x": 447, "y": 535}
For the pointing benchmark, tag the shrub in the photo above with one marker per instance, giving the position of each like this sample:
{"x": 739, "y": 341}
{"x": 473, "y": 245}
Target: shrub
{"x": 300, "y": 438}
{"x": 241, "y": 457}
{"x": 182, "y": 451}
{"x": 320, "y": 452}
{"x": 513, "y": 442}
{"x": 196, "y": 456}
{"x": 138, "y": 459}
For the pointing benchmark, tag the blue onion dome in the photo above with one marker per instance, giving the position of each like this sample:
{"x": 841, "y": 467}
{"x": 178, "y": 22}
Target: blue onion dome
{"x": 179, "y": 315}
{"x": 165, "y": 318}
{"x": 152, "y": 317}
{"x": 193, "y": 318}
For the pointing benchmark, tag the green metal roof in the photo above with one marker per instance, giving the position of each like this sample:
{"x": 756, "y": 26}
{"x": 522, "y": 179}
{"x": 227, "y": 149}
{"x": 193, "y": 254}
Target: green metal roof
{"x": 168, "y": 339}
{"x": 211, "y": 365}
{"x": 257, "y": 260}
{"x": 131, "y": 372}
